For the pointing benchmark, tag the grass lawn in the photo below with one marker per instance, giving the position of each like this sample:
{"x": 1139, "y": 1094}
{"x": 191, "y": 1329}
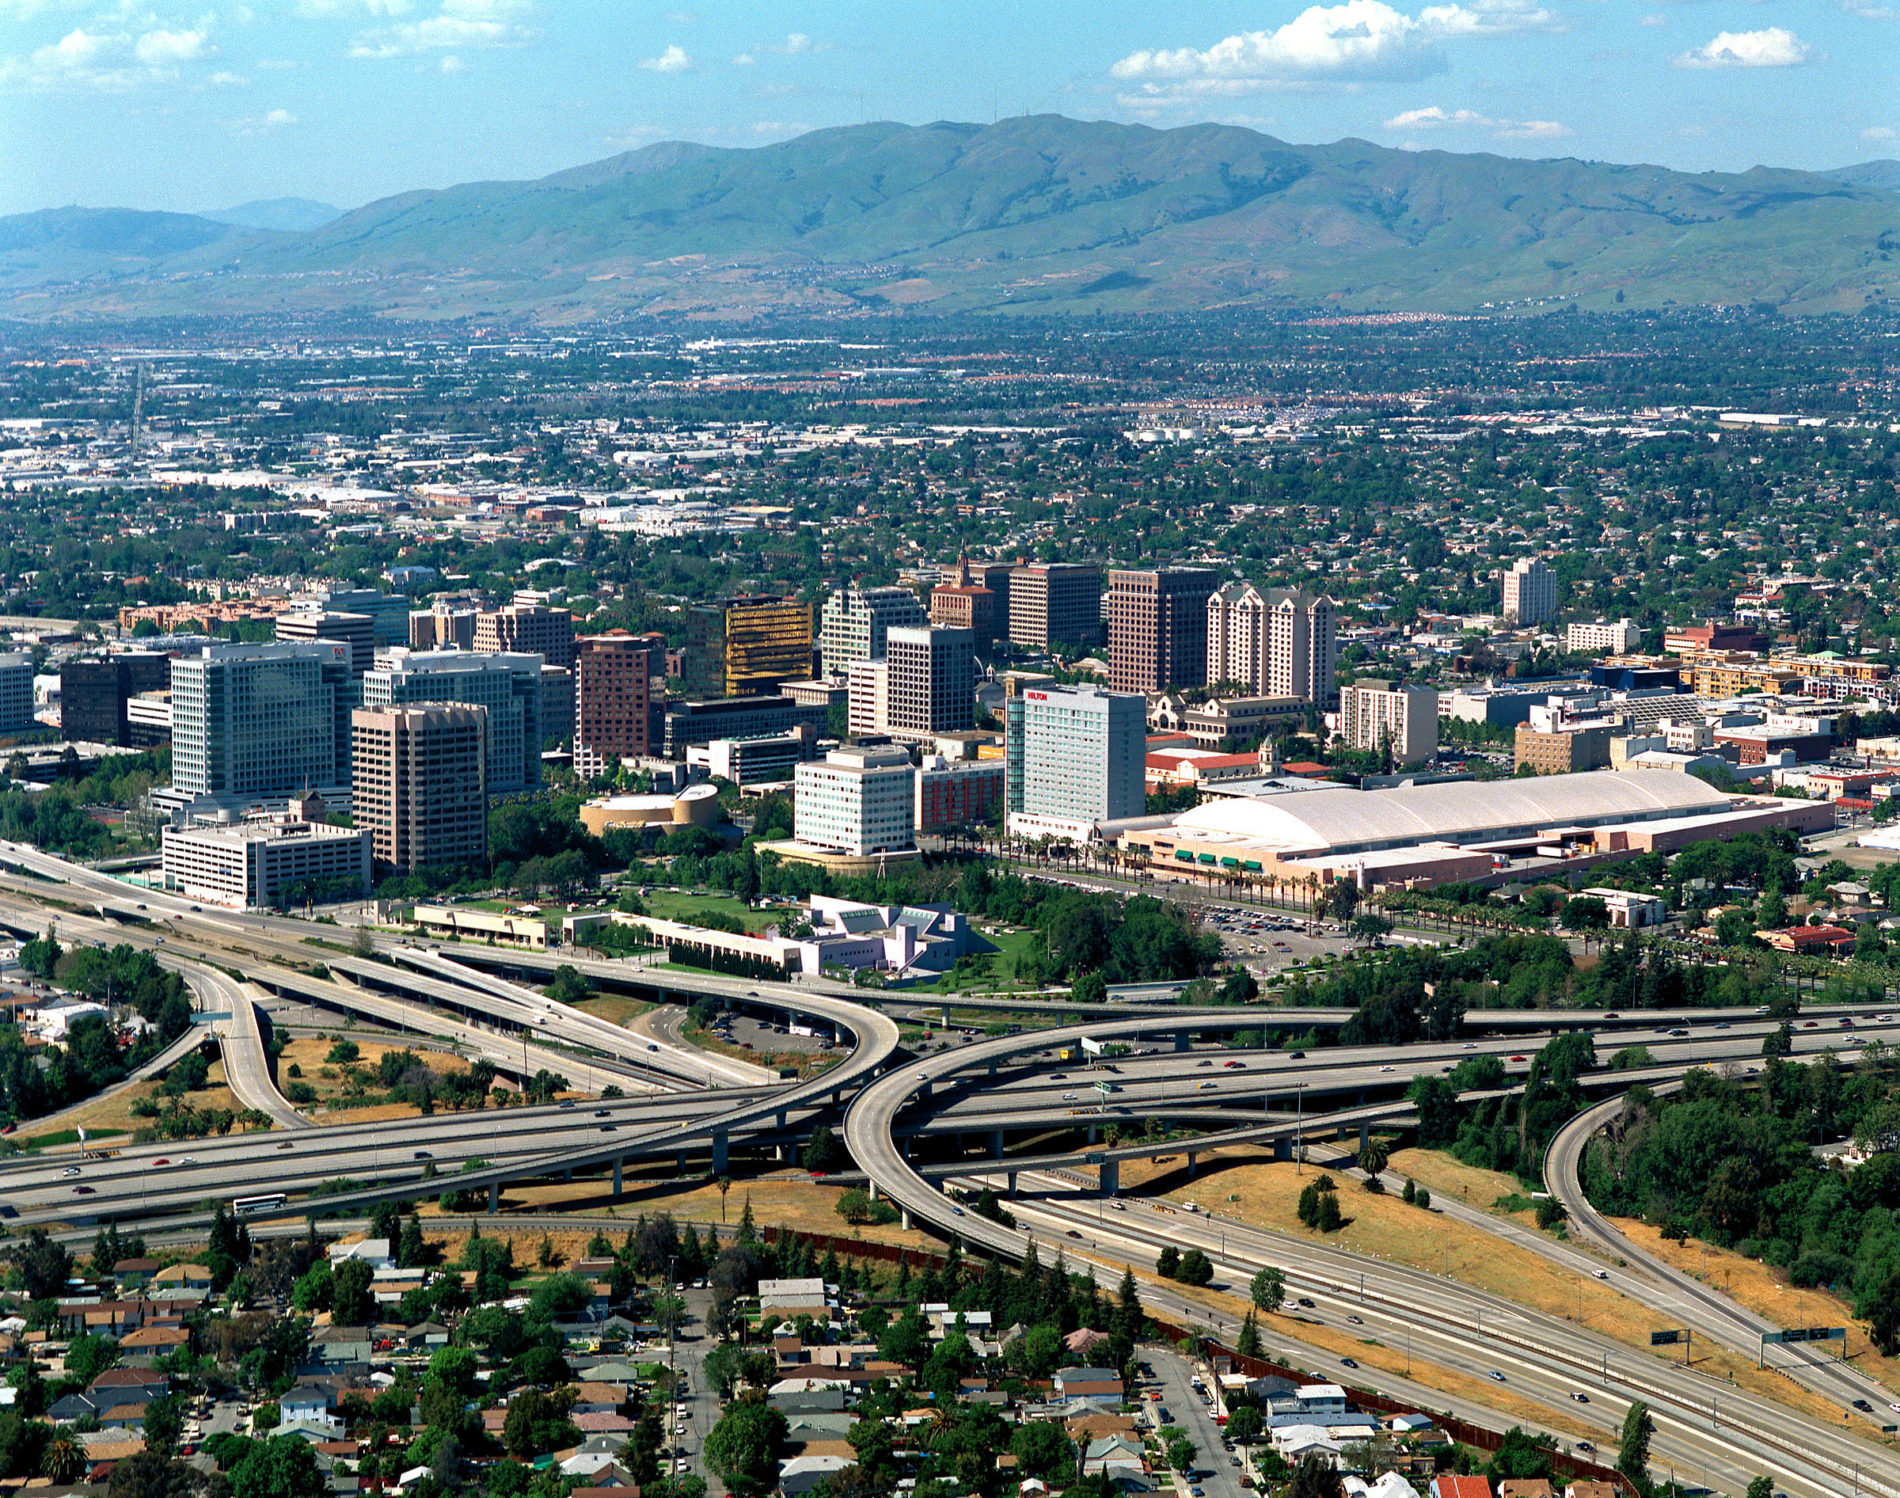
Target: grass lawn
{"x": 671, "y": 905}
{"x": 996, "y": 968}
{"x": 1245, "y": 1186}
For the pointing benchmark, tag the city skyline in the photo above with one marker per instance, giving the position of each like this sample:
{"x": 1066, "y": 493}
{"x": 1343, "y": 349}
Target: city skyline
{"x": 345, "y": 101}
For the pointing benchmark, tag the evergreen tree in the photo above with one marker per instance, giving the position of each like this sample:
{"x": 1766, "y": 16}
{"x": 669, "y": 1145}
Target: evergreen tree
{"x": 1248, "y": 1343}
{"x": 1632, "y": 1457}
{"x": 1130, "y": 1319}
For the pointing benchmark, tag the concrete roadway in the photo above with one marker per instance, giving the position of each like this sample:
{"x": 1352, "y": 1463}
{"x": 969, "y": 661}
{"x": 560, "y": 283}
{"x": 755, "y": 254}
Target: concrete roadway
{"x": 1699, "y": 1306}
{"x": 1539, "y": 1358}
{"x": 210, "y": 950}
{"x": 678, "y": 1057}
{"x": 868, "y": 1133}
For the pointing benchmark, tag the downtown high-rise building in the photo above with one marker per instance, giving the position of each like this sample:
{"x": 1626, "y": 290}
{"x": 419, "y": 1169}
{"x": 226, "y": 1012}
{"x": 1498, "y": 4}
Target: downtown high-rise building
{"x": 613, "y": 699}
{"x": 1074, "y": 757}
{"x": 1530, "y": 591}
{"x": 528, "y": 629}
{"x": 358, "y": 631}
{"x": 855, "y": 621}
{"x": 261, "y": 719}
{"x": 1055, "y": 603}
{"x": 931, "y": 682}
{"x": 1157, "y": 627}
{"x": 421, "y": 787}
{"x": 508, "y": 686}
{"x": 748, "y": 644}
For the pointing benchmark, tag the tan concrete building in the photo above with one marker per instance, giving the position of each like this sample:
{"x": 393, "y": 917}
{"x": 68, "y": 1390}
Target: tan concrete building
{"x": 421, "y": 783}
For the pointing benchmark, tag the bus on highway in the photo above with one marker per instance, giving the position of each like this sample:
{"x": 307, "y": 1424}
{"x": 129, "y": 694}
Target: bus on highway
{"x": 244, "y": 1206}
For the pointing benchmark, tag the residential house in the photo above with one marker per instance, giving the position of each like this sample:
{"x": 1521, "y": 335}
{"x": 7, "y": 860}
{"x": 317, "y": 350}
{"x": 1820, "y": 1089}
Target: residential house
{"x": 338, "y": 1346}
{"x": 371, "y": 1251}
{"x": 132, "y": 1273}
{"x": 1524, "y": 1487}
{"x": 1389, "y": 1485}
{"x": 1294, "y": 1443}
{"x": 1097, "y": 1385}
{"x": 1451, "y": 1485}
{"x": 145, "y": 1346}
{"x": 799, "y": 1475}
{"x": 1117, "y": 1457}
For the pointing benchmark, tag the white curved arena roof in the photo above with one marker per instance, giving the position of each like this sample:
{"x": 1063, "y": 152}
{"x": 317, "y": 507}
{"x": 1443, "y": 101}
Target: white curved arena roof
{"x": 1463, "y": 811}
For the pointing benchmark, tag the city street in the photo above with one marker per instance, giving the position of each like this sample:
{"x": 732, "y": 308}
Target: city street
{"x": 1219, "y": 1478}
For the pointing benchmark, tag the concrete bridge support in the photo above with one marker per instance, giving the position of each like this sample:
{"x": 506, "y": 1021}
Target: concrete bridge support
{"x": 494, "y": 1199}
{"x": 618, "y": 1161}
{"x": 1364, "y": 1128}
{"x": 1012, "y": 1183}
{"x": 1183, "y": 1040}
{"x": 720, "y": 1140}
{"x": 996, "y": 1144}
{"x": 1111, "y": 1177}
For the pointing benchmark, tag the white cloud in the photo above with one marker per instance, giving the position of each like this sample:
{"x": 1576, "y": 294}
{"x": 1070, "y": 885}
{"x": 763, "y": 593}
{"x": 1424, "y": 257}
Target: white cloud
{"x": 797, "y": 43}
{"x": 278, "y": 118}
{"x": 672, "y": 60}
{"x": 458, "y": 25}
{"x": 453, "y": 64}
{"x": 165, "y": 48}
{"x": 1350, "y": 41}
{"x": 744, "y": 60}
{"x": 1877, "y": 133}
{"x": 1655, "y": 19}
{"x": 1771, "y": 47}
{"x": 226, "y": 79}
{"x": 1433, "y": 118}
{"x": 99, "y": 59}
{"x": 326, "y": 8}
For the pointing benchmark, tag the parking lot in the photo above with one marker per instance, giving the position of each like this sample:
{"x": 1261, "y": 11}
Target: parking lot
{"x": 1268, "y": 940}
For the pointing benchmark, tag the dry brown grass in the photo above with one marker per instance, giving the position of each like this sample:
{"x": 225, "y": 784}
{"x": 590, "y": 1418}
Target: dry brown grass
{"x": 116, "y": 1112}
{"x": 307, "y": 1054}
{"x": 784, "y": 1199}
{"x": 1761, "y": 1289}
{"x": 1245, "y": 1186}
{"x": 1452, "y": 1179}
{"x": 616, "y": 1009}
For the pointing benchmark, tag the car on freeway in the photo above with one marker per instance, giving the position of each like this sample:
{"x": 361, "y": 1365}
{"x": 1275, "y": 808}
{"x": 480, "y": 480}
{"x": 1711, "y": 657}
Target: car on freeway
{"x": 652, "y": 1047}
{"x": 1385, "y": 1068}
{"x": 957, "y": 1210}
{"x": 1520, "y": 1058}
{"x": 1209, "y": 1087}
{"x": 286, "y": 1145}
{"x": 83, "y": 1191}
{"x": 1305, "y": 1302}
{"x": 1068, "y": 1097}
{"x": 1585, "y": 1446}
{"x": 1236, "y": 1065}
{"x": 1203, "y": 1063}
{"x": 1073, "y": 1233}
{"x": 70, "y": 1170}
{"x": 603, "y": 1113}
{"x": 1349, "y": 1362}
{"x": 1579, "y": 1396}
{"x": 1863, "y": 1406}
{"x": 1355, "y": 1321}
{"x": 1296, "y": 1055}
{"x": 159, "y": 1162}
{"x": 189, "y": 1160}
{"x": 609, "y": 1128}
{"x": 1495, "y": 1376}
{"x": 423, "y": 1155}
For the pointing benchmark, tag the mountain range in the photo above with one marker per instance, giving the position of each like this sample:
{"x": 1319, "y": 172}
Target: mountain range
{"x": 1042, "y": 214}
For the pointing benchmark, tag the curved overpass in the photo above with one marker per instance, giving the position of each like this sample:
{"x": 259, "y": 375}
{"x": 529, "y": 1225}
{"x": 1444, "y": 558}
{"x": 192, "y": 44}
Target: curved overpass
{"x": 1763, "y": 1432}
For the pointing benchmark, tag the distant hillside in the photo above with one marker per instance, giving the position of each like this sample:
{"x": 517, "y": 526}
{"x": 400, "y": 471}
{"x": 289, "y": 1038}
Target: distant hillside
{"x": 282, "y": 215}
{"x": 1043, "y": 213}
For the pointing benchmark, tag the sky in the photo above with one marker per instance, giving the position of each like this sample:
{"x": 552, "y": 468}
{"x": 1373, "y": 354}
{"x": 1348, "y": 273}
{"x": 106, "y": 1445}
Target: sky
{"x": 199, "y": 105}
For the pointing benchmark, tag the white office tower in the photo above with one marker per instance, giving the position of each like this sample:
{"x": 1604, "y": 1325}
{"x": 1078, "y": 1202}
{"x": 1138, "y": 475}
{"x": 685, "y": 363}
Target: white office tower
{"x": 855, "y": 620}
{"x": 1075, "y": 758}
{"x": 858, "y": 801}
{"x": 1530, "y": 591}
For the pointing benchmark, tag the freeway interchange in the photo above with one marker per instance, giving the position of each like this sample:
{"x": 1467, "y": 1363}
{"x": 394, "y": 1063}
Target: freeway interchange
{"x": 684, "y": 1103}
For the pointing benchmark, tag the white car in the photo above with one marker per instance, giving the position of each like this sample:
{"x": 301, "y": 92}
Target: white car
{"x": 1068, "y": 1097}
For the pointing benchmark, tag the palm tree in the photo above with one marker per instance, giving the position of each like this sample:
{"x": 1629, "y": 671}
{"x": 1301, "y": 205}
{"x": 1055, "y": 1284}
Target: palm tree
{"x": 64, "y": 1460}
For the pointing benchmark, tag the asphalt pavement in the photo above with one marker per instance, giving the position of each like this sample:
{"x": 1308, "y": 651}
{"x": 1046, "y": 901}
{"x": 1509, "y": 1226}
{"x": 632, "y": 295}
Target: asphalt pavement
{"x": 1194, "y": 1417}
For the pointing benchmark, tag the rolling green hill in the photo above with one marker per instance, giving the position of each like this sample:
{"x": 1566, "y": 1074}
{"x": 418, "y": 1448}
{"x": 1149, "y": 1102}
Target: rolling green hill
{"x": 1042, "y": 213}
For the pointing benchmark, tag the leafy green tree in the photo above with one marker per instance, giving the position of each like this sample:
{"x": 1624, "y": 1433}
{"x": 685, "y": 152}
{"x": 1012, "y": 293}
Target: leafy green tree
{"x": 352, "y": 1302}
{"x": 88, "y": 1356}
{"x": 281, "y": 1467}
{"x": 1268, "y": 1289}
{"x": 744, "y": 1448}
{"x": 64, "y": 1459}
{"x": 164, "y": 1424}
{"x": 44, "y": 1265}
{"x": 1316, "y": 1477}
{"x": 1195, "y": 1268}
{"x": 1761, "y": 1487}
{"x": 1168, "y": 1263}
